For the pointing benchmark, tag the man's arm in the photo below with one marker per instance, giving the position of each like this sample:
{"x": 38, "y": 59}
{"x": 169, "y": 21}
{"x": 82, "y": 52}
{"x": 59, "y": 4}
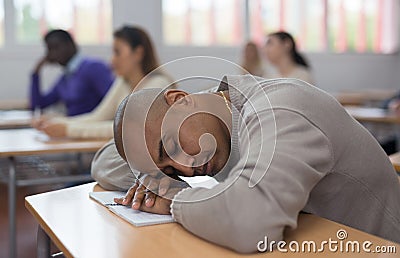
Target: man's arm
{"x": 110, "y": 170}
{"x": 42, "y": 100}
{"x": 238, "y": 216}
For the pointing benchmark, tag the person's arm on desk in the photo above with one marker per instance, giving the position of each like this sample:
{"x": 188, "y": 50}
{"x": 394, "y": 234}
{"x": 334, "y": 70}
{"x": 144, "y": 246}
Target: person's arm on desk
{"x": 110, "y": 170}
{"x": 237, "y": 216}
{"x": 152, "y": 194}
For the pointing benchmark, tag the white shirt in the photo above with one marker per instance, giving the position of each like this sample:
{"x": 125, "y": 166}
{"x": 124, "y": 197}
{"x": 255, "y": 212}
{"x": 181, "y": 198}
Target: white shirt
{"x": 99, "y": 122}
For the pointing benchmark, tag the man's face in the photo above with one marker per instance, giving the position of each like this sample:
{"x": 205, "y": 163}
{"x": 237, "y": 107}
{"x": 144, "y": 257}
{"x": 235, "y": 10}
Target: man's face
{"x": 186, "y": 142}
{"x": 58, "y": 51}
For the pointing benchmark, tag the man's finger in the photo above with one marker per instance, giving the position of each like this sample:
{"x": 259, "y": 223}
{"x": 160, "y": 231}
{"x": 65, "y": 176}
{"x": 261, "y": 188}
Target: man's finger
{"x": 150, "y": 199}
{"x": 150, "y": 196}
{"x": 138, "y": 198}
{"x": 128, "y": 196}
{"x": 164, "y": 185}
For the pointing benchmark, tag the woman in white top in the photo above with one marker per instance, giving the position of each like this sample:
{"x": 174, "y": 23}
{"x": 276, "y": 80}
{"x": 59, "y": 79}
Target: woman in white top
{"x": 281, "y": 52}
{"x": 133, "y": 60}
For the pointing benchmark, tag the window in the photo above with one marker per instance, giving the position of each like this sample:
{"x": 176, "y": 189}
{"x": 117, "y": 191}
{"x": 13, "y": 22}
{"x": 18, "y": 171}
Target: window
{"x": 202, "y": 23}
{"x": 363, "y": 25}
{"x": 303, "y": 19}
{"x": 89, "y": 21}
{"x": 318, "y": 25}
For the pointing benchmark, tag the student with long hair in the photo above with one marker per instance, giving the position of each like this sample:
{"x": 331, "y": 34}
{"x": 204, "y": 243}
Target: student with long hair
{"x": 281, "y": 51}
{"x": 133, "y": 60}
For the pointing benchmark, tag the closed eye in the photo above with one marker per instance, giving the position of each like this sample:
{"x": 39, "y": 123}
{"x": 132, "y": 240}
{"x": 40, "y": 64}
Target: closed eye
{"x": 172, "y": 172}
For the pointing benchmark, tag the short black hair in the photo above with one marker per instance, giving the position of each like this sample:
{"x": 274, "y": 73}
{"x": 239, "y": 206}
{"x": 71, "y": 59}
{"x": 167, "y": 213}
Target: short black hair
{"x": 61, "y": 35}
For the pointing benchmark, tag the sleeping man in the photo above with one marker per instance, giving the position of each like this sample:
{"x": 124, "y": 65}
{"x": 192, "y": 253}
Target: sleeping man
{"x": 277, "y": 147}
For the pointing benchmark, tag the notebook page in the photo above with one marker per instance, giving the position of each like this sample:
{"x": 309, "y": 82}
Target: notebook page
{"x": 137, "y": 218}
{"x": 140, "y": 218}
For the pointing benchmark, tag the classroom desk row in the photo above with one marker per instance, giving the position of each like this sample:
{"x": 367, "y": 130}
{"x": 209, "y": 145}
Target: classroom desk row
{"x": 364, "y": 97}
{"x": 28, "y": 142}
{"x": 80, "y": 227}
{"x": 22, "y": 118}
{"x": 395, "y": 159}
{"x": 373, "y": 115}
{"x": 13, "y": 119}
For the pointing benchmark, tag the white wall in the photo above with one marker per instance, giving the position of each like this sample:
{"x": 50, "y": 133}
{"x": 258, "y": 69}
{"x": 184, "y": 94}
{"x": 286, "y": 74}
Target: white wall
{"x": 332, "y": 72}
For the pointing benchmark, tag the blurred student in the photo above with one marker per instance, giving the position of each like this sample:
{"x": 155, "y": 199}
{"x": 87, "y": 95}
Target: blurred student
{"x": 251, "y": 60}
{"x": 133, "y": 59}
{"x": 392, "y": 105}
{"x": 83, "y": 84}
{"x": 282, "y": 53}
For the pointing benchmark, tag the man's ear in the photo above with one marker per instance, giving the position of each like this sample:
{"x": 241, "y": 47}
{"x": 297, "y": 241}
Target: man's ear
{"x": 174, "y": 96}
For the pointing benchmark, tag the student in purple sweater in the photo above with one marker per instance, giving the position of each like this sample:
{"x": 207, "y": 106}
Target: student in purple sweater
{"x": 82, "y": 86}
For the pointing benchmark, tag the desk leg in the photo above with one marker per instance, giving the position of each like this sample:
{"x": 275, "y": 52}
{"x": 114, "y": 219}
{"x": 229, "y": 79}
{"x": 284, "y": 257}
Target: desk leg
{"x": 12, "y": 208}
{"x": 43, "y": 244}
{"x": 80, "y": 162}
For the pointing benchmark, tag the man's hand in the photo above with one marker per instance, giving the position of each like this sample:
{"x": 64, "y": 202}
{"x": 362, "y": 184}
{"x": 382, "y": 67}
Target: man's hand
{"x": 142, "y": 195}
{"x": 54, "y": 129}
{"x": 40, "y": 64}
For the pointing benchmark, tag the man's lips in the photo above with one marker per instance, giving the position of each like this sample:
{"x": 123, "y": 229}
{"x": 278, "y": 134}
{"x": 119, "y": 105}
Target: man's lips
{"x": 203, "y": 170}
{"x": 206, "y": 169}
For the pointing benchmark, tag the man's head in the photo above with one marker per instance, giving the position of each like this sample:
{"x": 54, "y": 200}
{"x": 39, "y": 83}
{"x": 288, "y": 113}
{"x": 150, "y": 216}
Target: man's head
{"x": 172, "y": 131}
{"x": 60, "y": 46}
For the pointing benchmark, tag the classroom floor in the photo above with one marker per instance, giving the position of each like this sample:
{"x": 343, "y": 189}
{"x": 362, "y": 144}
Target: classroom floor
{"x": 26, "y": 225}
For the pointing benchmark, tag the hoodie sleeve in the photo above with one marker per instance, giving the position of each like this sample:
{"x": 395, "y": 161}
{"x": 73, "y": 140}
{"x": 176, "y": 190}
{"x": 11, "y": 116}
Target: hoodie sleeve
{"x": 110, "y": 170}
{"x": 262, "y": 195}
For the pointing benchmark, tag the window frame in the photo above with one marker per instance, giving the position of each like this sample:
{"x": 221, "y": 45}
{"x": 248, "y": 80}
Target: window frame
{"x": 11, "y": 48}
{"x": 247, "y": 36}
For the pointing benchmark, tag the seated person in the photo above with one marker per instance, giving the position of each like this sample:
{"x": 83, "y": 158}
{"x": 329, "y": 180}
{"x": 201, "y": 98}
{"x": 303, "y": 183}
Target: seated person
{"x": 281, "y": 51}
{"x": 392, "y": 104}
{"x": 134, "y": 59}
{"x": 271, "y": 161}
{"x": 82, "y": 86}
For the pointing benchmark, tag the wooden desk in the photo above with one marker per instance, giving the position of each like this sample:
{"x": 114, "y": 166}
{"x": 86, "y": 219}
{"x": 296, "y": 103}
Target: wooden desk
{"x": 10, "y": 104}
{"x": 12, "y": 119}
{"x": 25, "y": 142}
{"x": 374, "y": 115}
{"x": 395, "y": 159}
{"x": 363, "y": 97}
{"x": 80, "y": 227}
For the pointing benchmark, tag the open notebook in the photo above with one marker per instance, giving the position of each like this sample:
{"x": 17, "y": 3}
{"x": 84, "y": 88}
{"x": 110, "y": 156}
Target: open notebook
{"x": 137, "y": 218}
{"x": 140, "y": 218}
